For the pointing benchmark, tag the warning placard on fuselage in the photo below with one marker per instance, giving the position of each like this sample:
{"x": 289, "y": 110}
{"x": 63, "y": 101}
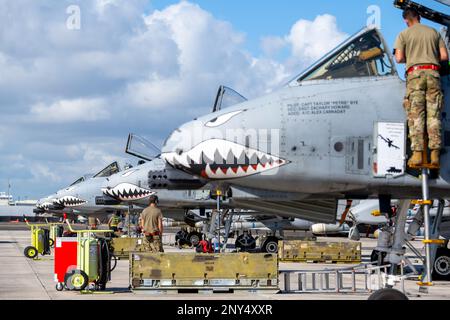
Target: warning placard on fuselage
{"x": 390, "y": 142}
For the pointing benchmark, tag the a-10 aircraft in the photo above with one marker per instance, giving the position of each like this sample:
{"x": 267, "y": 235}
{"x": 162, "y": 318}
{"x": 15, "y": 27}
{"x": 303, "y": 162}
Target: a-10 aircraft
{"x": 115, "y": 190}
{"x": 322, "y": 137}
{"x": 336, "y": 131}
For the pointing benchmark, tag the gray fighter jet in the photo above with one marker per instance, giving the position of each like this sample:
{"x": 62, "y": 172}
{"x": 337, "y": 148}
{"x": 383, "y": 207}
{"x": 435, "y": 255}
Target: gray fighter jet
{"x": 336, "y": 131}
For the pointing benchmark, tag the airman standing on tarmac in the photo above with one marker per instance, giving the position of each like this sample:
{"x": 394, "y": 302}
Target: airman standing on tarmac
{"x": 151, "y": 223}
{"x": 114, "y": 221}
{"x": 422, "y": 49}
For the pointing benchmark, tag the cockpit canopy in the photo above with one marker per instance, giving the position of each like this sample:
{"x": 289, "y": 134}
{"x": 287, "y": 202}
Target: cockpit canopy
{"x": 111, "y": 169}
{"x": 363, "y": 55}
{"x": 227, "y": 97}
{"x": 141, "y": 148}
{"x": 79, "y": 180}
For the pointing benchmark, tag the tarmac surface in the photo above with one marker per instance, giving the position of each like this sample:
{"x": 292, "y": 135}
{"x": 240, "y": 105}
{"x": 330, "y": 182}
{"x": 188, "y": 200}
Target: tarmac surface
{"x": 22, "y": 278}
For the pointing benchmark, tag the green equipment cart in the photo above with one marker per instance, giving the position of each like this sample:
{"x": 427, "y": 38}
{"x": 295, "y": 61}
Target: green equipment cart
{"x": 40, "y": 240}
{"x": 94, "y": 260}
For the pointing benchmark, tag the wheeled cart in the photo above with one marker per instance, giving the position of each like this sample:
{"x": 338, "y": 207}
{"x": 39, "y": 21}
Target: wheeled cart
{"x": 83, "y": 260}
{"x": 40, "y": 240}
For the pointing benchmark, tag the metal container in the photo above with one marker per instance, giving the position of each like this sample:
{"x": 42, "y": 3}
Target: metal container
{"x": 319, "y": 251}
{"x": 177, "y": 271}
{"x": 124, "y": 246}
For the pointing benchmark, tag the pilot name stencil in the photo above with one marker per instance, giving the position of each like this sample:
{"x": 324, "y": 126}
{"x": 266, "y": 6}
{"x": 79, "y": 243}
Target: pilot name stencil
{"x": 320, "y": 107}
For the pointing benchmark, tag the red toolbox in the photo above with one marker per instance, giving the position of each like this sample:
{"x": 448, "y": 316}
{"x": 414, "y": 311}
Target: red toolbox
{"x": 65, "y": 258}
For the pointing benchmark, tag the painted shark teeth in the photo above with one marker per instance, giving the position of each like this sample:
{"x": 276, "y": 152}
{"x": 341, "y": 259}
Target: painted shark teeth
{"x": 127, "y": 192}
{"x": 221, "y": 159}
{"x": 70, "y": 201}
{"x": 45, "y": 205}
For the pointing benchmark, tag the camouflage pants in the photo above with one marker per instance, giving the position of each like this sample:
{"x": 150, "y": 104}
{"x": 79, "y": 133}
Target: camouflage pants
{"x": 423, "y": 105}
{"x": 153, "y": 244}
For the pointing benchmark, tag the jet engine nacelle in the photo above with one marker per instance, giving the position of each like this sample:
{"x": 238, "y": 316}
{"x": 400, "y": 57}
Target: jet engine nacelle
{"x": 173, "y": 179}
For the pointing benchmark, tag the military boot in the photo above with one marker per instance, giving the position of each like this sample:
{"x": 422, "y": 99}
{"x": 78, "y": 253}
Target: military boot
{"x": 435, "y": 154}
{"x": 416, "y": 159}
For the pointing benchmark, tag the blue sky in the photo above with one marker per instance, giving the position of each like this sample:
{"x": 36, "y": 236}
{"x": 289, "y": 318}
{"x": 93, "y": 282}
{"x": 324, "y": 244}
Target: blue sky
{"x": 70, "y": 97}
{"x": 259, "y": 18}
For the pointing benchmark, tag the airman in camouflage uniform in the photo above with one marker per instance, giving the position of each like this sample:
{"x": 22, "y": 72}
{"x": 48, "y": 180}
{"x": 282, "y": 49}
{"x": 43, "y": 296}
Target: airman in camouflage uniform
{"x": 422, "y": 49}
{"x": 152, "y": 226}
{"x": 424, "y": 97}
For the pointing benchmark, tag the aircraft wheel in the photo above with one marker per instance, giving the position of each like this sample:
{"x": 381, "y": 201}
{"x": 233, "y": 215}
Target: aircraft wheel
{"x": 245, "y": 242}
{"x": 30, "y": 252}
{"x": 181, "y": 238}
{"x": 194, "y": 238}
{"x": 270, "y": 245}
{"x": 377, "y": 257}
{"x": 76, "y": 280}
{"x": 59, "y": 286}
{"x": 441, "y": 267}
{"x": 388, "y": 294}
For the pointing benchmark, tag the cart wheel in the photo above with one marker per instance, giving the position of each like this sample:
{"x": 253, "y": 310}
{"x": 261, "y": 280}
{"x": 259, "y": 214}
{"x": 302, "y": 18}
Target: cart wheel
{"x": 51, "y": 242}
{"x": 59, "y": 286}
{"x": 76, "y": 280}
{"x": 30, "y": 252}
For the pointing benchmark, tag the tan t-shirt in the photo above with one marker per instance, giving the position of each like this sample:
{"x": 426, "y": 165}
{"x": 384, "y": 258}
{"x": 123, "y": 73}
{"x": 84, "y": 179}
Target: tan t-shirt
{"x": 150, "y": 217}
{"x": 420, "y": 44}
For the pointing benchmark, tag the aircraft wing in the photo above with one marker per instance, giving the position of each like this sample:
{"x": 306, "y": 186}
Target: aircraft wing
{"x": 446, "y": 2}
{"x": 320, "y": 211}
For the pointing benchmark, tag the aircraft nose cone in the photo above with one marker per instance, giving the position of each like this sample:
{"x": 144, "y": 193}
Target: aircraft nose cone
{"x": 182, "y": 140}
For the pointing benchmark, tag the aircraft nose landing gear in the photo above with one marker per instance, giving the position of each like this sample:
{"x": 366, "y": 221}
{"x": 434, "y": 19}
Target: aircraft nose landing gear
{"x": 441, "y": 270}
{"x": 245, "y": 242}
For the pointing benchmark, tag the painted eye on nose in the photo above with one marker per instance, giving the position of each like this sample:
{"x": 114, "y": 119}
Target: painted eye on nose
{"x": 220, "y": 120}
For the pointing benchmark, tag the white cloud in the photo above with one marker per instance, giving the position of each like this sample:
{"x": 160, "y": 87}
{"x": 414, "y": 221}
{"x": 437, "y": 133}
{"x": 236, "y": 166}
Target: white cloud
{"x": 310, "y": 40}
{"x": 271, "y": 45}
{"x": 77, "y": 110}
{"x": 307, "y": 41}
{"x": 70, "y": 97}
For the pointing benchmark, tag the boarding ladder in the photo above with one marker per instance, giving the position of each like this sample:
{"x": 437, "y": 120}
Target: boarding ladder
{"x": 431, "y": 236}
{"x": 363, "y": 279}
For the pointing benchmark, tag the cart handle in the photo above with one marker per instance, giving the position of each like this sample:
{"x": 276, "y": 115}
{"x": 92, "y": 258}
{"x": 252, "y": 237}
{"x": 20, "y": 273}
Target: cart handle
{"x": 34, "y": 224}
{"x": 84, "y": 231}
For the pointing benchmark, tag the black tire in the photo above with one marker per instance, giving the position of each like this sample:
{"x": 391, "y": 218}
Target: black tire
{"x": 376, "y": 259}
{"x": 441, "y": 267}
{"x": 388, "y": 294}
{"x": 59, "y": 286}
{"x": 270, "y": 245}
{"x": 181, "y": 238}
{"x": 245, "y": 242}
{"x": 194, "y": 238}
{"x": 30, "y": 252}
{"x": 76, "y": 280}
{"x": 51, "y": 242}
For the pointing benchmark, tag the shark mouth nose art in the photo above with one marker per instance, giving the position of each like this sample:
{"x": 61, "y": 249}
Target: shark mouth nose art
{"x": 127, "y": 191}
{"x": 221, "y": 159}
{"x": 44, "y": 205}
{"x": 70, "y": 201}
